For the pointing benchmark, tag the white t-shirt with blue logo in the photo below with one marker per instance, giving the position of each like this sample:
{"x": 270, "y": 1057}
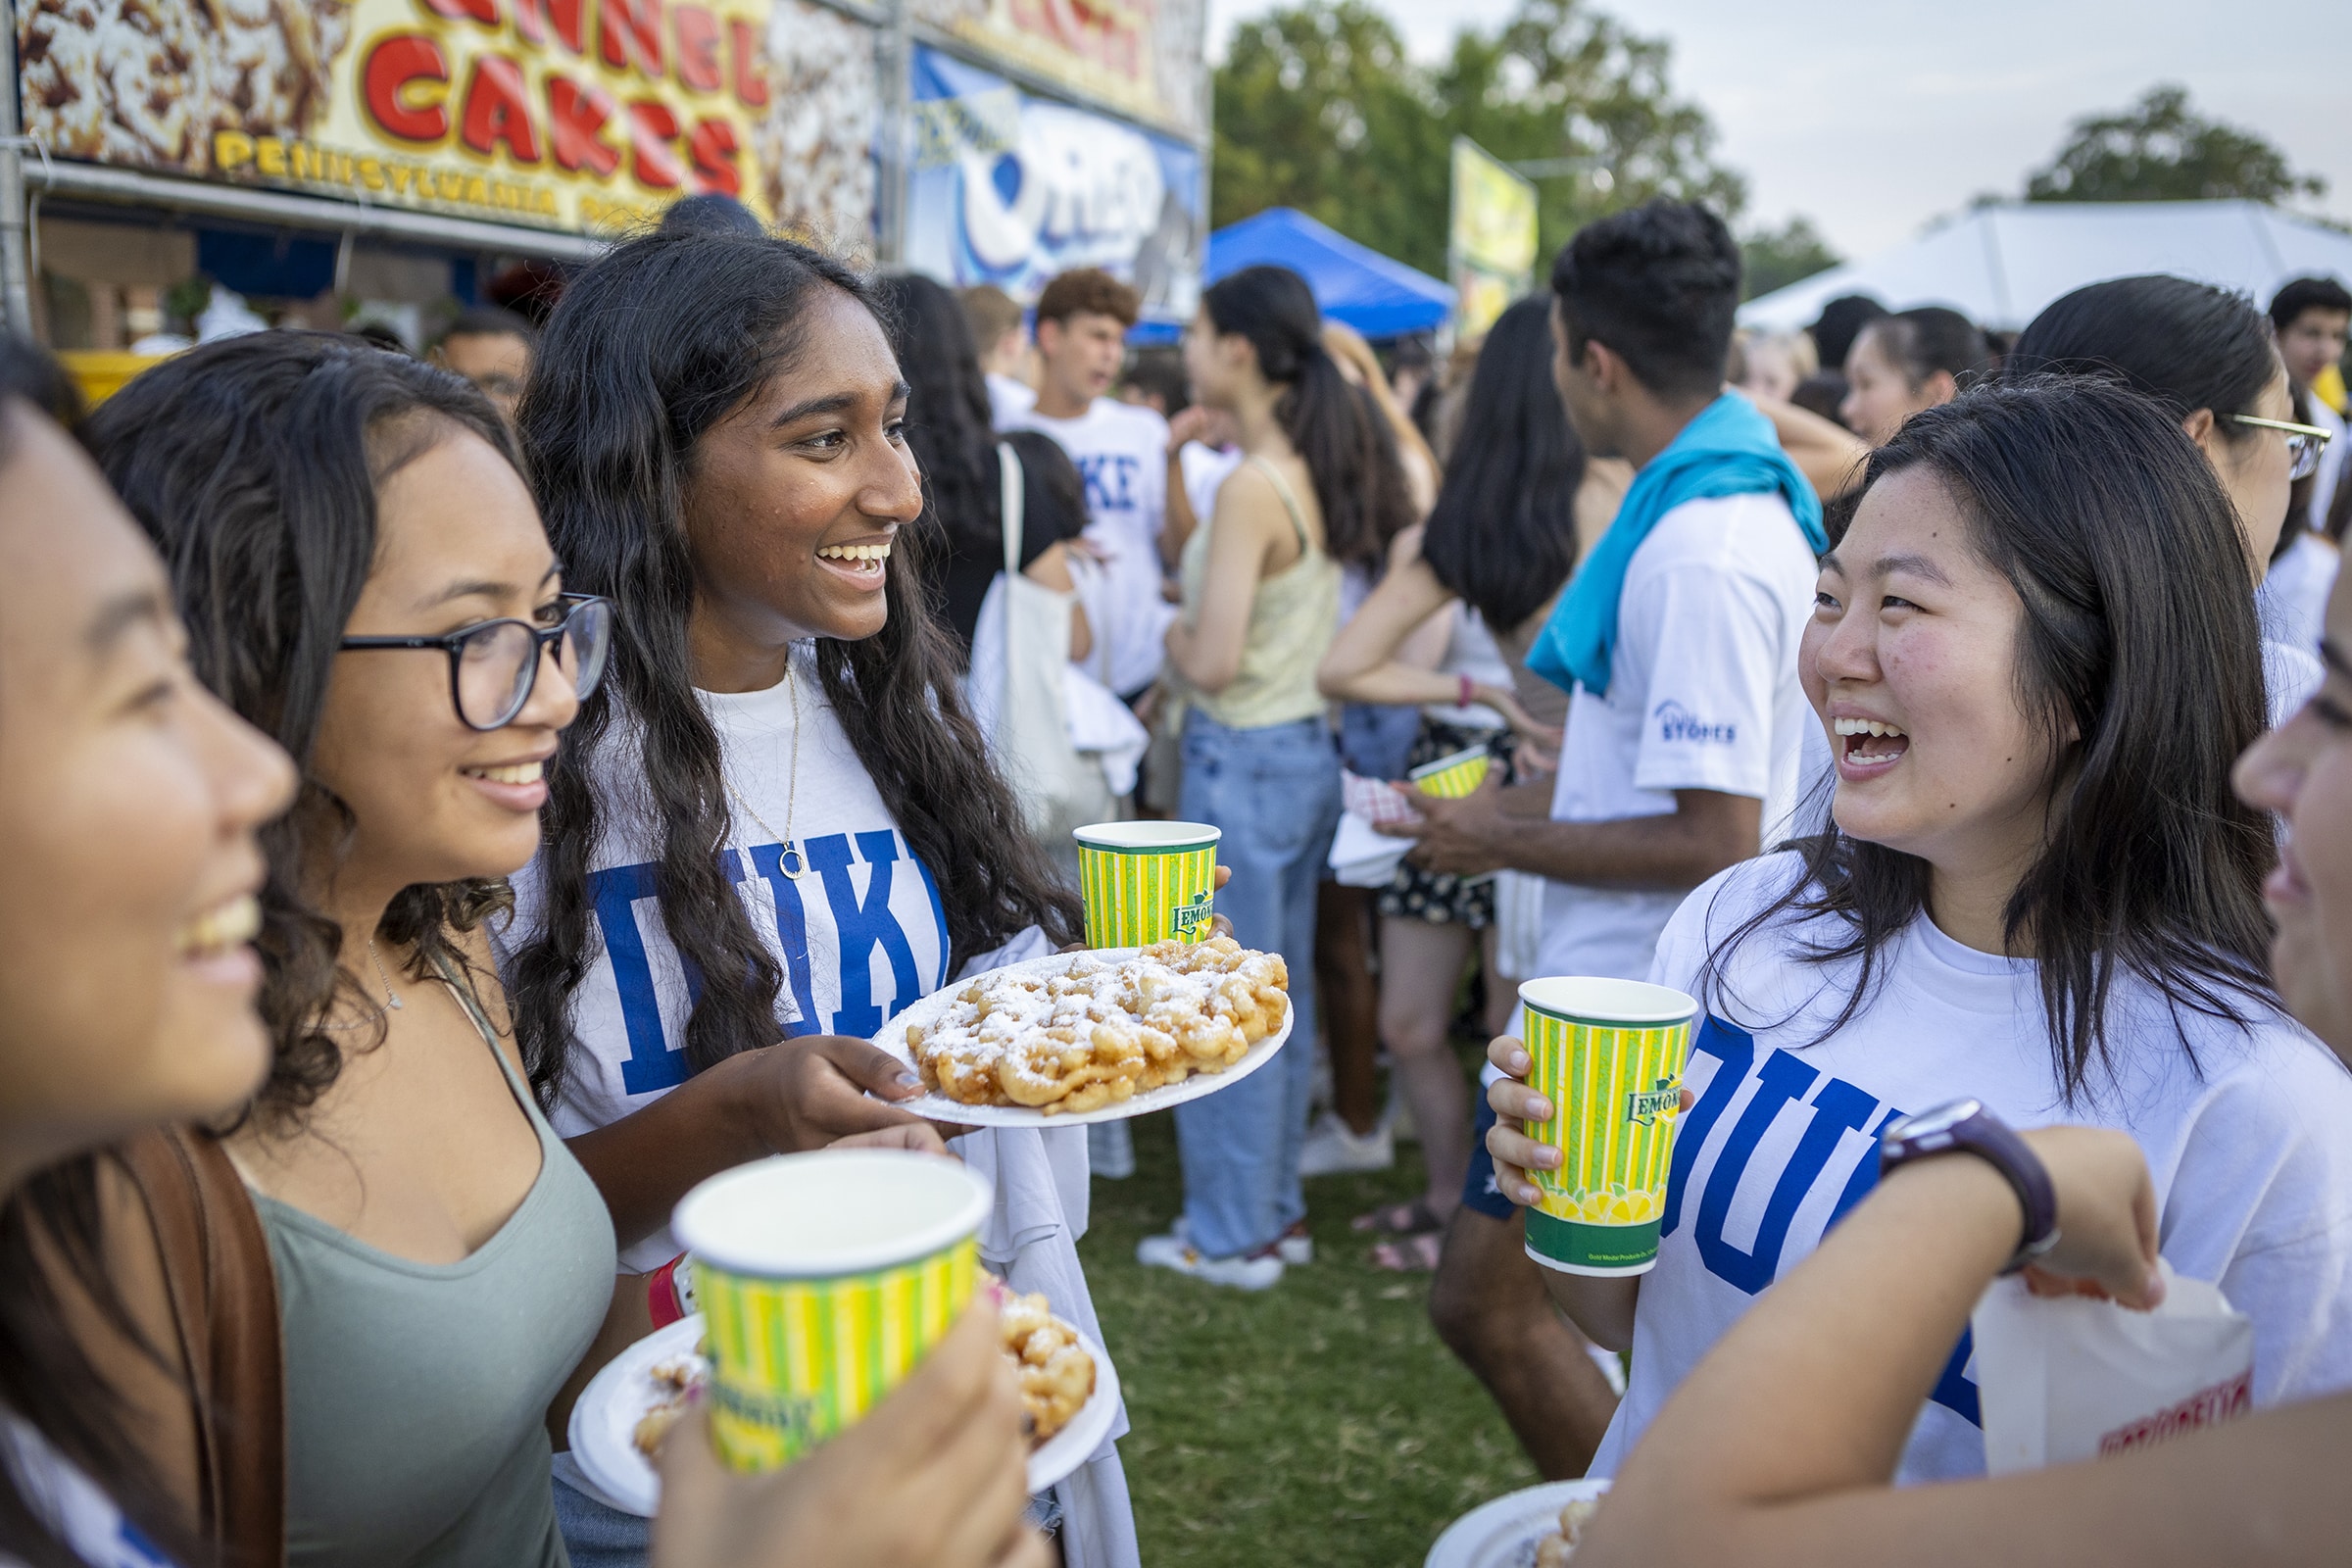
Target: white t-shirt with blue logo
{"x": 79, "y": 1513}
{"x": 1702, "y": 695}
{"x": 1121, "y": 452}
{"x": 2252, "y": 1160}
{"x": 861, "y": 935}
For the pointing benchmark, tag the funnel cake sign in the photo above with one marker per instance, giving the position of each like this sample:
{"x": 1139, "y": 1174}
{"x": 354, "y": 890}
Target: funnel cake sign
{"x": 563, "y": 114}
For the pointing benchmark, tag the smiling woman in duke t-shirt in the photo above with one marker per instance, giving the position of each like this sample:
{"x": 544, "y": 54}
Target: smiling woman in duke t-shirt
{"x": 2035, "y": 652}
{"x": 779, "y": 828}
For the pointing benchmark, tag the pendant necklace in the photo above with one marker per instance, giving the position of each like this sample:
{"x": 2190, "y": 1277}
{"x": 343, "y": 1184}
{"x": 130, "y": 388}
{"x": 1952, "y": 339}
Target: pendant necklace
{"x": 391, "y": 997}
{"x": 788, "y": 859}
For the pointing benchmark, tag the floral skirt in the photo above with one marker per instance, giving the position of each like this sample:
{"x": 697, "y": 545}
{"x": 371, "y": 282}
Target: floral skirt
{"x": 1437, "y": 897}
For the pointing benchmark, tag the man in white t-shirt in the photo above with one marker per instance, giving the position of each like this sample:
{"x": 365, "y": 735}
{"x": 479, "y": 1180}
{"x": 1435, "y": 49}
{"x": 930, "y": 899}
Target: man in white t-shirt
{"x": 1121, "y": 453}
{"x": 1682, "y": 750}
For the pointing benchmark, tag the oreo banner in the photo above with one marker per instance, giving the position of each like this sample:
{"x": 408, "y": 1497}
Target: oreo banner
{"x": 1010, "y": 189}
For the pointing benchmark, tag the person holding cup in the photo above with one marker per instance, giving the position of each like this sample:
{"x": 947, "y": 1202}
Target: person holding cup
{"x": 2009, "y": 644}
{"x": 1778, "y": 1447}
{"x": 777, "y": 826}
{"x": 1318, "y": 485}
{"x": 132, "y": 809}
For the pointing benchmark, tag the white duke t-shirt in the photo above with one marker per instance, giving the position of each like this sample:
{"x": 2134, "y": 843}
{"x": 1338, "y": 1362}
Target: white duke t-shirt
{"x": 1121, "y": 452}
{"x": 2252, "y": 1161}
{"x": 1702, "y": 695}
{"x": 859, "y": 937}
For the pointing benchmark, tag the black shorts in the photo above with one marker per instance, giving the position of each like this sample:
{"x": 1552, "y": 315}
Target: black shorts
{"x": 1479, "y": 1191}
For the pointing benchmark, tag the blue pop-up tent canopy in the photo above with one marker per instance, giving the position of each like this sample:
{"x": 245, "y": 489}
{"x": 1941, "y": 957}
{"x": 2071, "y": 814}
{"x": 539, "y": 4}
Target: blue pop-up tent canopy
{"x": 1354, "y": 284}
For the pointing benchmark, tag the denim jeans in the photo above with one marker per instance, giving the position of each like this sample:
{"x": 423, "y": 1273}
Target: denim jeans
{"x": 1275, "y": 791}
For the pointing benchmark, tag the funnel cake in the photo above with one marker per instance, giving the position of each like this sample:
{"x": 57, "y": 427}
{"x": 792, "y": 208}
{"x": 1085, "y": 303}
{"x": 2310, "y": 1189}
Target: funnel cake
{"x": 1103, "y": 1032}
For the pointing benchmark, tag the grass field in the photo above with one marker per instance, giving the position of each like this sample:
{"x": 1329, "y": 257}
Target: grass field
{"x": 1320, "y": 1422}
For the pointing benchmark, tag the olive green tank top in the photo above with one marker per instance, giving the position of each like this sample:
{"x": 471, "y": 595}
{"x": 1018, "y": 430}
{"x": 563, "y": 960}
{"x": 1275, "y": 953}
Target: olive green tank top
{"x": 1293, "y": 619}
{"x": 417, "y": 1393}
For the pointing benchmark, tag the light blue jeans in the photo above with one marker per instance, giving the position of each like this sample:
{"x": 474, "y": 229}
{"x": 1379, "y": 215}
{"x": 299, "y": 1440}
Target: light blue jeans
{"x": 1275, "y": 791}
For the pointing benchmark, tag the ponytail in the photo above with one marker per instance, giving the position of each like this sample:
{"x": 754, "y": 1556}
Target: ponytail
{"x": 1332, "y": 425}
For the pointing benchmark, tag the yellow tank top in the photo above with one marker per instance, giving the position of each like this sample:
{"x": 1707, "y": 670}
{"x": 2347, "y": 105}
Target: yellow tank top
{"x": 1293, "y": 619}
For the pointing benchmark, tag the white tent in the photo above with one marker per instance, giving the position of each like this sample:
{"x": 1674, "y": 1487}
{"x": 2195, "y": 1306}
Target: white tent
{"x": 2000, "y": 265}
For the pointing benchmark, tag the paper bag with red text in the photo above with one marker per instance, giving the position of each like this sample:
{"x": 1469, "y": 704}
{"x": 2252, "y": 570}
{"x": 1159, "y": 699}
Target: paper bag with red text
{"x": 2077, "y": 1378}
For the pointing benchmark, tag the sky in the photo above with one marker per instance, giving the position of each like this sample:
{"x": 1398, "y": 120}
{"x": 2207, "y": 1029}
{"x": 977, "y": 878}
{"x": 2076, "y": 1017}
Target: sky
{"x": 1876, "y": 119}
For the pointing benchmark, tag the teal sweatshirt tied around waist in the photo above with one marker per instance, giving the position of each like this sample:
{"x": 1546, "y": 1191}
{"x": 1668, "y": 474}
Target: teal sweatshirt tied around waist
{"x": 1728, "y": 450}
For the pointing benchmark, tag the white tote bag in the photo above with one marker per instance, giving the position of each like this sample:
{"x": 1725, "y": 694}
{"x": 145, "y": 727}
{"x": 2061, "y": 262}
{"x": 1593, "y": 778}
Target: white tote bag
{"x": 1020, "y": 654}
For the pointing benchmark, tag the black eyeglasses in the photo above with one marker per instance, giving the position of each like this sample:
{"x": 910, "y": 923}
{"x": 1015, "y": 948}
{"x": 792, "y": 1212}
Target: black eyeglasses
{"x": 493, "y": 666}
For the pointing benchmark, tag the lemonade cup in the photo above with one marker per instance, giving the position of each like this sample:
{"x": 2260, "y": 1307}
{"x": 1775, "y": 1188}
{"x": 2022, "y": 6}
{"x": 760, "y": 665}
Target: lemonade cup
{"x": 1608, "y": 1055}
{"x": 823, "y": 1278}
{"x": 1147, "y": 882}
{"x": 1449, "y": 778}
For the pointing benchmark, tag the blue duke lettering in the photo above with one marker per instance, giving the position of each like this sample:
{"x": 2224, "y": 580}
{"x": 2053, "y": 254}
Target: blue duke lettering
{"x": 862, "y": 922}
{"x": 1784, "y": 1084}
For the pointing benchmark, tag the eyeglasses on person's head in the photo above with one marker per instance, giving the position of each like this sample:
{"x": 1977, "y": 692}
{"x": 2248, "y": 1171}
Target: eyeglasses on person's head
{"x": 493, "y": 666}
{"x": 2303, "y": 442}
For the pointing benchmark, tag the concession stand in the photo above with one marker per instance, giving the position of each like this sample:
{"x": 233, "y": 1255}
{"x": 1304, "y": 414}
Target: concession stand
{"x": 172, "y": 170}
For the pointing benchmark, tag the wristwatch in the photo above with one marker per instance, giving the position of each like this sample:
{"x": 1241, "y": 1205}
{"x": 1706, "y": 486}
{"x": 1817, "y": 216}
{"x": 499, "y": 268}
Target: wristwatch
{"x": 1967, "y": 1126}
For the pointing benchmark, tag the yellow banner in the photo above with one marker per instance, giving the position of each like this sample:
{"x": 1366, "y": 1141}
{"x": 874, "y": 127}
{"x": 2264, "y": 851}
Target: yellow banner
{"x": 580, "y": 115}
{"x": 1491, "y": 237}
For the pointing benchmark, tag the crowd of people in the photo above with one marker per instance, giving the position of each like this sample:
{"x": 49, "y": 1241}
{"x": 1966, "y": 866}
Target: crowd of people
{"x": 457, "y": 806}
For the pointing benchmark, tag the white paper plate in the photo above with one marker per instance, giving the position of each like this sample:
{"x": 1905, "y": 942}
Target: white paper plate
{"x": 1503, "y": 1532}
{"x": 938, "y": 1108}
{"x": 604, "y": 1421}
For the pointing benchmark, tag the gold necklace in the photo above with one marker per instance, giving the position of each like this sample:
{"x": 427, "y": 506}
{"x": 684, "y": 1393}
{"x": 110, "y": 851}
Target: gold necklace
{"x": 789, "y": 861}
{"x": 391, "y": 997}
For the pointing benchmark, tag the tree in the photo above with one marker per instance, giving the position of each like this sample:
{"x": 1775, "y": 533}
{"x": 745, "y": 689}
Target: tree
{"x": 1775, "y": 257}
{"x": 2160, "y": 150}
{"x": 1318, "y": 107}
{"x": 1568, "y": 89}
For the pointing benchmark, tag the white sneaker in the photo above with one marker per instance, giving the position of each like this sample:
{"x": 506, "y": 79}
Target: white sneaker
{"x": 1295, "y": 1247}
{"x": 1256, "y": 1272}
{"x": 1332, "y": 1147}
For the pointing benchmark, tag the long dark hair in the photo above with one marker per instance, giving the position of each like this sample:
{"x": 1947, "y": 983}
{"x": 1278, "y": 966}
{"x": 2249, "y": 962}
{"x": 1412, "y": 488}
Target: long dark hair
{"x": 1337, "y": 432}
{"x": 1503, "y": 534}
{"x": 2187, "y": 345}
{"x": 652, "y": 346}
{"x": 52, "y": 1233}
{"x": 255, "y": 463}
{"x": 2123, "y": 549}
{"x": 946, "y": 406}
{"x": 948, "y": 422}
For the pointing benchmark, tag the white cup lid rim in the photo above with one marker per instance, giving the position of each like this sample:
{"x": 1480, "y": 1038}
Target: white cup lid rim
{"x": 1606, "y": 999}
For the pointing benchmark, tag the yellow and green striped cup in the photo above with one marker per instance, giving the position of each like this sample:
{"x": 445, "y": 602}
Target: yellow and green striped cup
{"x": 1608, "y": 1055}
{"x": 823, "y": 1278}
{"x": 1147, "y": 882}
{"x": 1452, "y": 777}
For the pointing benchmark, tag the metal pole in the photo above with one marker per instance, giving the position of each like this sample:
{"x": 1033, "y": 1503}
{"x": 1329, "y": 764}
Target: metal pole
{"x": 894, "y": 178}
{"x": 15, "y": 295}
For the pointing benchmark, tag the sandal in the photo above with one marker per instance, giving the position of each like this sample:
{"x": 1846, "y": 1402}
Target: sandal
{"x": 1415, "y": 1218}
{"x": 1410, "y": 1254}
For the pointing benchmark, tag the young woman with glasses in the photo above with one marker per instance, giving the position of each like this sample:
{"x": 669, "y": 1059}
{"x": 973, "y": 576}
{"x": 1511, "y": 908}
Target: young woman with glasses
{"x": 365, "y": 580}
{"x": 2209, "y": 358}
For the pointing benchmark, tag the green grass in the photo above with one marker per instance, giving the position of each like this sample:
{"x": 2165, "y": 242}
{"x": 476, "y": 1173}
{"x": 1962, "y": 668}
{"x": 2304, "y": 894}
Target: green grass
{"x": 1320, "y": 1422}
